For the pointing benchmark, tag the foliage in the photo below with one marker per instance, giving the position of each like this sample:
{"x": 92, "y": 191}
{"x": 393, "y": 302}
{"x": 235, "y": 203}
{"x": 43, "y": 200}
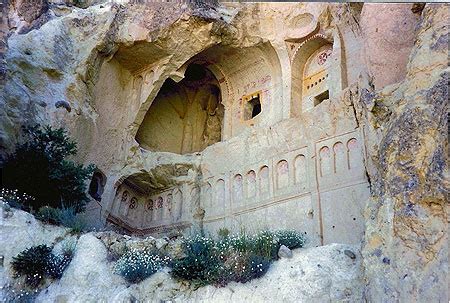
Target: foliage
{"x": 249, "y": 267}
{"x": 15, "y": 199}
{"x": 57, "y": 264}
{"x": 239, "y": 258}
{"x": 38, "y": 262}
{"x": 48, "y": 215}
{"x": 32, "y": 263}
{"x": 39, "y": 167}
{"x": 266, "y": 244}
{"x": 65, "y": 216}
{"x": 201, "y": 262}
{"x": 138, "y": 264}
{"x": 61, "y": 259}
{"x": 290, "y": 238}
{"x": 223, "y": 233}
{"x": 68, "y": 247}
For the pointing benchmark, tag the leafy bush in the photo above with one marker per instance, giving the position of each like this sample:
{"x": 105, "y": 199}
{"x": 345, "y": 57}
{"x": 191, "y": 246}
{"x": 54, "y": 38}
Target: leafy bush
{"x": 266, "y": 244}
{"x": 48, "y": 215}
{"x": 223, "y": 233}
{"x": 239, "y": 258}
{"x": 59, "y": 261}
{"x": 65, "y": 216}
{"x": 290, "y": 238}
{"x": 32, "y": 263}
{"x": 137, "y": 265}
{"x": 57, "y": 264}
{"x": 200, "y": 263}
{"x": 249, "y": 267}
{"x": 39, "y": 168}
{"x": 38, "y": 262}
{"x": 263, "y": 244}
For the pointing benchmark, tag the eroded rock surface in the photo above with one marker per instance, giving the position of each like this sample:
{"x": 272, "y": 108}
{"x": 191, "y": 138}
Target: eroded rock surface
{"x": 322, "y": 273}
{"x": 375, "y": 138}
{"x": 405, "y": 251}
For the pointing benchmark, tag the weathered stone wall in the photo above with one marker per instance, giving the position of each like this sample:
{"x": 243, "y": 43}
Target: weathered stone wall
{"x": 376, "y": 141}
{"x": 406, "y": 240}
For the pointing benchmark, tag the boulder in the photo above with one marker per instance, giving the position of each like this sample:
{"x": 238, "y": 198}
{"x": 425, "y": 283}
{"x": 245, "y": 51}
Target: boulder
{"x": 284, "y": 252}
{"x": 19, "y": 231}
{"x": 89, "y": 276}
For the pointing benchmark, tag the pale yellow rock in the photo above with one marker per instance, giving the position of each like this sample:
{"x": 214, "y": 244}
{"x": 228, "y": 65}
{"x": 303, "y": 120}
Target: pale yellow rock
{"x": 350, "y": 152}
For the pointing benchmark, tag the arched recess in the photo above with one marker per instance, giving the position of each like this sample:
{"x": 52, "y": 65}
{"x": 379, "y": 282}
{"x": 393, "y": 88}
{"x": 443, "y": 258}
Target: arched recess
{"x": 241, "y": 74}
{"x": 250, "y": 79}
{"x": 185, "y": 117}
{"x": 97, "y": 185}
{"x": 316, "y": 73}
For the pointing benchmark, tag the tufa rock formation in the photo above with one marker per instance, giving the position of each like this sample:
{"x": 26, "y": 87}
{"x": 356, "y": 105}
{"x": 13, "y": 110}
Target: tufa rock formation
{"x": 323, "y": 117}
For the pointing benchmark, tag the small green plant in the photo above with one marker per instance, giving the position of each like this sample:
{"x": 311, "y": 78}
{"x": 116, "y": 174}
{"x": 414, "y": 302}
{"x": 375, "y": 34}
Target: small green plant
{"x": 62, "y": 216}
{"x": 68, "y": 247}
{"x": 223, "y": 233}
{"x": 200, "y": 263}
{"x": 239, "y": 258}
{"x": 38, "y": 262}
{"x": 57, "y": 264}
{"x": 48, "y": 215}
{"x": 39, "y": 168}
{"x": 290, "y": 238}
{"x": 69, "y": 218}
{"x": 249, "y": 267}
{"x": 266, "y": 244}
{"x": 32, "y": 263}
{"x": 139, "y": 264}
{"x": 59, "y": 261}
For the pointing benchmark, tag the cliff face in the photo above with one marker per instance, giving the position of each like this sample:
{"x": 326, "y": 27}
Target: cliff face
{"x": 405, "y": 248}
{"x": 97, "y": 70}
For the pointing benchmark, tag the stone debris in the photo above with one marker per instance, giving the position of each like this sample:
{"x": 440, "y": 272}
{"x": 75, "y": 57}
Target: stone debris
{"x": 284, "y": 252}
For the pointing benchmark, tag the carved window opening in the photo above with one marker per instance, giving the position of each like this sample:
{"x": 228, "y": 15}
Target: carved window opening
{"x": 321, "y": 97}
{"x": 315, "y": 77}
{"x": 252, "y": 106}
{"x": 97, "y": 185}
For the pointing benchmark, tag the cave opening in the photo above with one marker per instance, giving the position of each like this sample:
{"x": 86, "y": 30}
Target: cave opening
{"x": 185, "y": 117}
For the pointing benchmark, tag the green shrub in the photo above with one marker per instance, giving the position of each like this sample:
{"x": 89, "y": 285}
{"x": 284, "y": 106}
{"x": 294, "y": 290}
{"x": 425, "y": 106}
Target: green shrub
{"x": 38, "y": 262}
{"x": 249, "y": 267}
{"x": 32, "y": 263}
{"x": 201, "y": 262}
{"x": 137, "y": 265}
{"x": 239, "y": 258}
{"x": 290, "y": 238}
{"x": 48, "y": 215}
{"x": 65, "y": 216}
{"x": 39, "y": 168}
{"x": 266, "y": 244}
{"x": 68, "y": 247}
{"x": 240, "y": 243}
{"x": 223, "y": 233}
{"x": 69, "y": 218}
{"x": 61, "y": 259}
{"x": 57, "y": 264}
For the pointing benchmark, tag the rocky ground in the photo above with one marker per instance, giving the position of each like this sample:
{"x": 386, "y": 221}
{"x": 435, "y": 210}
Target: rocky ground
{"x": 326, "y": 273}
